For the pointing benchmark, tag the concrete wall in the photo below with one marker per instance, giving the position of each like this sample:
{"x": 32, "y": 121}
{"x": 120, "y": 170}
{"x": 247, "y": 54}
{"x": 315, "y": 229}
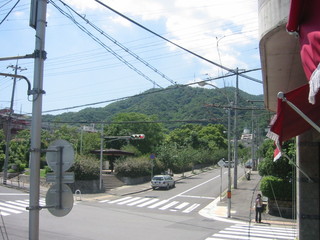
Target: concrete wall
{"x": 308, "y": 152}
{"x": 272, "y": 13}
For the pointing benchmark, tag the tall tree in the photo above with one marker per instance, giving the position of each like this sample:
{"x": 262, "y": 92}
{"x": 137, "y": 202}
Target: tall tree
{"x": 136, "y": 123}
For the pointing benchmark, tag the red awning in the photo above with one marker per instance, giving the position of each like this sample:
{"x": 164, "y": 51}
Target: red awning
{"x": 304, "y": 18}
{"x": 287, "y": 122}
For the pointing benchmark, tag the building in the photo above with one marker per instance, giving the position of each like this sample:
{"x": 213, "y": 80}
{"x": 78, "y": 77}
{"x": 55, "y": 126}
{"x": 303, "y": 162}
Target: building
{"x": 18, "y": 122}
{"x": 290, "y": 65}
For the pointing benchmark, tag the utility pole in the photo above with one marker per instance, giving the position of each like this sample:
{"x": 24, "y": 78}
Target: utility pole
{"x": 38, "y": 22}
{"x": 229, "y": 164}
{"x": 8, "y": 134}
{"x": 235, "y": 140}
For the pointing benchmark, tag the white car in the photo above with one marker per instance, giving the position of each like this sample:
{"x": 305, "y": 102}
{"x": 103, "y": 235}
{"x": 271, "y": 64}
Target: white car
{"x": 226, "y": 164}
{"x": 162, "y": 181}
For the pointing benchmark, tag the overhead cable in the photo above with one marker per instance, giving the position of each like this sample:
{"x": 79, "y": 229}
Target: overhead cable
{"x": 9, "y": 12}
{"x": 137, "y": 95}
{"x": 119, "y": 44}
{"x": 177, "y": 45}
{"x": 96, "y": 39}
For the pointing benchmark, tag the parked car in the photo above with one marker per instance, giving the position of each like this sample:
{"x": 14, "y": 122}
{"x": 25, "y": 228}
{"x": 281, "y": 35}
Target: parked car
{"x": 162, "y": 181}
{"x": 226, "y": 164}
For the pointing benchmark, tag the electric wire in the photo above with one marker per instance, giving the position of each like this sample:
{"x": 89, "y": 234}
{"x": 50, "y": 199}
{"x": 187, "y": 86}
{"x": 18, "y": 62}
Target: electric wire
{"x": 175, "y": 44}
{"x": 9, "y": 12}
{"x": 96, "y": 39}
{"x": 119, "y": 44}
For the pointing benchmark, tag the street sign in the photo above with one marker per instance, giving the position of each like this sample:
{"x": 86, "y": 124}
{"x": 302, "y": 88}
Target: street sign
{"x": 67, "y": 177}
{"x": 53, "y": 201}
{"x": 221, "y": 163}
{"x": 53, "y": 152}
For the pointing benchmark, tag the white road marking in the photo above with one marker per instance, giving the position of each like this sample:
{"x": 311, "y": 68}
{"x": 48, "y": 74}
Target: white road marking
{"x": 148, "y": 203}
{"x": 199, "y": 197}
{"x": 137, "y": 202}
{"x": 158, "y": 204}
{"x": 178, "y": 195}
{"x": 119, "y": 200}
{"x": 12, "y": 206}
{"x": 169, "y": 205}
{"x": 128, "y": 201}
{"x": 182, "y": 205}
{"x": 191, "y": 208}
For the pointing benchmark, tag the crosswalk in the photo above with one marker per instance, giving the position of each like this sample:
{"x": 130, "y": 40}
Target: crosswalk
{"x": 255, "y": 232}
{"x": 16, "y": 207}
{"x": 154, "y": 203}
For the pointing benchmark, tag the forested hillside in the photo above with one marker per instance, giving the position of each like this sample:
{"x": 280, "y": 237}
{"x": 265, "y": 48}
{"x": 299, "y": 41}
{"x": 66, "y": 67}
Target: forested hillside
{"x": 175, "y": 106}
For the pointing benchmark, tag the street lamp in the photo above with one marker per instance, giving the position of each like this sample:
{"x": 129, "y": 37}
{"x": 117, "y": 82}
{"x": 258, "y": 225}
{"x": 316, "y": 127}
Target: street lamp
{"x": 203, "y": 83}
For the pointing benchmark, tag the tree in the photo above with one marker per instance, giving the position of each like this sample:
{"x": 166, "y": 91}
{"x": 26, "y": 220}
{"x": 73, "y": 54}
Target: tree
{"x": 2, "y": 148}
{"x": 90, "y": 141}
{"x": 278, "y": 176}
{"x": 136, "y": 123}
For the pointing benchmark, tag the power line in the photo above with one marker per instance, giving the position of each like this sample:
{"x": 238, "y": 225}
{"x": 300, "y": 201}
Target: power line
{"x": 9, "y": 12}
{"x": 96, "y": 39}
{"x": 137, "y": 95}
{"x": 175, "y": 44}
{"x": 120, "y": 45}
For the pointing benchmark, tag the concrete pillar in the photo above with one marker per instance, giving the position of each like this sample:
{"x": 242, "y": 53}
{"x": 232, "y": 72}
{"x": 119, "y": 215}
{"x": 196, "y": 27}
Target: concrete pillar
{"x": 308, "y": 193}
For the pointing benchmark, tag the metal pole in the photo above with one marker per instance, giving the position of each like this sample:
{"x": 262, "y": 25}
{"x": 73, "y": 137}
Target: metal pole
{"x": 220, "y": 182}
{"x": 252, "y": 141}
{"x": 235, "y": 172}
{"x": 101, "y": 157}
{"x": 8, "y": 134}
{"x": 36, "y": 120}
{"x": 229, "y": 165}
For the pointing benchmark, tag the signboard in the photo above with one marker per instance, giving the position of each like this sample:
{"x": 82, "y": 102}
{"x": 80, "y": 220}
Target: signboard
{"x": 221, "y": 163}
{"x": 67, "y": 177}
{"x": 53, "y": 155}
{"x": 59, "y": 198}
{"x": 66, "y": 201}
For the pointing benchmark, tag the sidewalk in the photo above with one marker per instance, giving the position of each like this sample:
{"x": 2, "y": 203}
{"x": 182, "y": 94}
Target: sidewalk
{"x": 242, "y": 205}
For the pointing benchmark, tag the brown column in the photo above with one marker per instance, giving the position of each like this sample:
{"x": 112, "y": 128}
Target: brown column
{"x": 308, "y": 158}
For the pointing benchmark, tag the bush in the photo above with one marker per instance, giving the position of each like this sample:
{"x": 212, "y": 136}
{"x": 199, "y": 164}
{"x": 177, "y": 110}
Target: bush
{"x": 133, "y": 167}
{"x": 276, "y": 188}
{"x": 86, "y": 168}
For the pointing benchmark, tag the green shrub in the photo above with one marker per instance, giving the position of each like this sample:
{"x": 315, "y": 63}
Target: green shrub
{"x": 276, "y": 188}
{"x": 133, "y": 167}
{"x": 86, "y": 168}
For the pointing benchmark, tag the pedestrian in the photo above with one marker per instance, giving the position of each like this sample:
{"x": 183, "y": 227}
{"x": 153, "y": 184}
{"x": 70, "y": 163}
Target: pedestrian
{"x": 259, "y": 208}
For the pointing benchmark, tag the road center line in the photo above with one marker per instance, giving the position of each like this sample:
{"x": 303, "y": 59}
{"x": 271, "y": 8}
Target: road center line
{"x": 194, "y": 187}
{"x": 201, "y": 197}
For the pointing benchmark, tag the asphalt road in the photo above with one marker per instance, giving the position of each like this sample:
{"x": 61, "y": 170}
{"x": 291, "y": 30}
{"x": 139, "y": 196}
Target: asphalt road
{"x": 153, "y": 214}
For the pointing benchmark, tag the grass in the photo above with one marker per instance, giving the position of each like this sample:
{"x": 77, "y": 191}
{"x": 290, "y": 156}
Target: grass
{"x": 42, "y": 172}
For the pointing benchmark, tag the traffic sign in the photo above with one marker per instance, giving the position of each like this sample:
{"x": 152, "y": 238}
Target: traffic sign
{"x": 53, "y": 201}
{"x": 67, "y": 177}
{"x": 221, "y": 163}
{"x": 53, "y": 155}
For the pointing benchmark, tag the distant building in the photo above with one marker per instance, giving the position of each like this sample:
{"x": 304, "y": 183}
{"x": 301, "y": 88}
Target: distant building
{"x": 18, "y": 121}
{"x": 246, "y": 138}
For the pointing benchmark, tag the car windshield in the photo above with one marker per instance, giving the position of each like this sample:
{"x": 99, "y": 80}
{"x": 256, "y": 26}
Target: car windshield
{"x": 158, "y": 178}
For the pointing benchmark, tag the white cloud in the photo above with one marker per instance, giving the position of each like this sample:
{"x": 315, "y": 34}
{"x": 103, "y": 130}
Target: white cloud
{"x": 195, "y": 25}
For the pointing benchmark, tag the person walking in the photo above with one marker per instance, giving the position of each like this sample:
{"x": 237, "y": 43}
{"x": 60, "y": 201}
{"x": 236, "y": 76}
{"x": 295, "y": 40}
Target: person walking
{"x": 259, "y": 208}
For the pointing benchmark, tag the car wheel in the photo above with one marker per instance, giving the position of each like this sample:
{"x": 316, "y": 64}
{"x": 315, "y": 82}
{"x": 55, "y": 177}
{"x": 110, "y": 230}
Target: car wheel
{"x": 168, "y": 187}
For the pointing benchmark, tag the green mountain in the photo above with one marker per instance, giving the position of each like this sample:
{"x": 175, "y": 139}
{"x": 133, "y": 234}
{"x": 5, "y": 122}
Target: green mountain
{"x": 176, "y": 105}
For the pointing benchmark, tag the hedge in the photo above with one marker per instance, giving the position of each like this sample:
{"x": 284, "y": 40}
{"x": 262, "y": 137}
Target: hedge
{"x": 276, "y": 188}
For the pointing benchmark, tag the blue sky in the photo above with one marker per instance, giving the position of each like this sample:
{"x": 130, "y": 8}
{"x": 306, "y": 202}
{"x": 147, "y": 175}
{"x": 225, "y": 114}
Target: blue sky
{"x": 79, "y": 71}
